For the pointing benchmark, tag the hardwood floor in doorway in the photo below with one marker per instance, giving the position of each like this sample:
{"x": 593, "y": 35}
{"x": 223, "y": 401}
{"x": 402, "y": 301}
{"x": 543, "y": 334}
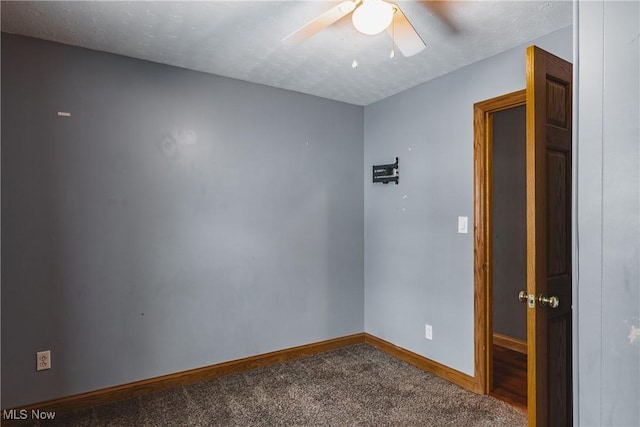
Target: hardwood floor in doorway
{"x": 510, "y": 377}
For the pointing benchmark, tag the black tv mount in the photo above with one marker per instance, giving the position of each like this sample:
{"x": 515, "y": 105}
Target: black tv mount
{"x": 386, "y": 173}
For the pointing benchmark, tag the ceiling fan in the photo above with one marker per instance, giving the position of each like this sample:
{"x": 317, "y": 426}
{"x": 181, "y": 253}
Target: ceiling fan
{"x": 371, "y": 17}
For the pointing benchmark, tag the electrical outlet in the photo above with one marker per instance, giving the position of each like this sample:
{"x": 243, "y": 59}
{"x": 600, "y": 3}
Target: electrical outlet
{"x": 43, "y": 360}
{"x": 428, "y": 332}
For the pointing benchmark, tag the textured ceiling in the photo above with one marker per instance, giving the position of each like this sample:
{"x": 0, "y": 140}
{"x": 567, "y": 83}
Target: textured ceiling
{"x": 241, "y": 39}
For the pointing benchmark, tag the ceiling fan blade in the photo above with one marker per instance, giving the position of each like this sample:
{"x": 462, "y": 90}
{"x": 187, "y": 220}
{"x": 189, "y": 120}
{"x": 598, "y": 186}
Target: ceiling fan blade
{"x": 404, "y": 35}
{"x": 321, "y": 22}
{"x": 442, "y": 10}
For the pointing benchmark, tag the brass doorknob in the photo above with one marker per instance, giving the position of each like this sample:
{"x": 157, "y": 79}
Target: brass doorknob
{"x": 522, "y": 296}
{"x": 552, "y": 302}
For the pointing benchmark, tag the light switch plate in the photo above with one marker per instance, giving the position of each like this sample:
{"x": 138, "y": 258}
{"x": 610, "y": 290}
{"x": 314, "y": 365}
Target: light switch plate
{"x": 463, "y": 224}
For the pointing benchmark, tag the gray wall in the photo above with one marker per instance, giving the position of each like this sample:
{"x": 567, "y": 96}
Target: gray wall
{"x": 175, "y": 220}
{"x": 609, "y": 213}
{"x": 418, "y": 269}
{"x": 509, "y": 222}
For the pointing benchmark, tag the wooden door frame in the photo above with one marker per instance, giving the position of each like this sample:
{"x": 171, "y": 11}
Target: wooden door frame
{"x": 482, "y": 265}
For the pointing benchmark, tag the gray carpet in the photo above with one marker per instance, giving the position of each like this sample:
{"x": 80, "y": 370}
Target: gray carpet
{"x": 353, "y": 386}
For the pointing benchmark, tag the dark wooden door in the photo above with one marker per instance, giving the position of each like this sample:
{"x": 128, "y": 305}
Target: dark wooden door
{"x": 549, "y": 95}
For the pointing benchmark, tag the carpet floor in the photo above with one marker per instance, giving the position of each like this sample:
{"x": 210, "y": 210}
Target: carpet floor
{"x": 352, "y": 386}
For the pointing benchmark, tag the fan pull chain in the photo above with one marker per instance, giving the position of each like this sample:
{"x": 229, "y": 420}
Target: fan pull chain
{"x": 393, "y": 35}
{"x": 354, "y": 64}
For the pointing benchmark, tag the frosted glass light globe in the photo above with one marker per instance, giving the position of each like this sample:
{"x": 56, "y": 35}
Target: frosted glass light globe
{"x": 372, "y": 17}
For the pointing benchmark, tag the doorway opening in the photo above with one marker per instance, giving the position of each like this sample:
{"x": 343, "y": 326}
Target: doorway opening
{"x": 500, "y": 247}
{"x": 509, "y": 254}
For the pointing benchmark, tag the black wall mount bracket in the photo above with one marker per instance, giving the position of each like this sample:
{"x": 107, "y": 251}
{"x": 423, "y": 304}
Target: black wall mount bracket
{"x": 386, "y": 173}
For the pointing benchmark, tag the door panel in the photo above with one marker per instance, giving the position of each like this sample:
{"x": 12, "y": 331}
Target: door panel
{"x": 557, "y": 261}
{"x": 558, "y": 375}
{"x": 549, "y": 94}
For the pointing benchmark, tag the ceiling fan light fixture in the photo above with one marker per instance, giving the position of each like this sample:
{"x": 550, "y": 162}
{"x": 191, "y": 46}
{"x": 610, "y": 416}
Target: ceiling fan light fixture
{"x": 372, "y": 17}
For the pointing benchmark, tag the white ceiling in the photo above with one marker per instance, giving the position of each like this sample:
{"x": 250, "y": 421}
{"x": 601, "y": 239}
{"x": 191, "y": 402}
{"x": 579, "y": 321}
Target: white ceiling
{"x": 241, "y": 39}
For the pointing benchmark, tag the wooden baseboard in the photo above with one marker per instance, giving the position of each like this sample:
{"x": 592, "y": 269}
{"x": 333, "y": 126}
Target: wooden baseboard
{"x": 151, "y": 385}
{"x": 449, "y": 374}
{"x": 510, "y": 343}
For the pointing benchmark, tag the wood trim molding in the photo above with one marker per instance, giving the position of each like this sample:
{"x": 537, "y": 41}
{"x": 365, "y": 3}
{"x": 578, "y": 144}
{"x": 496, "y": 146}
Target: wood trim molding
{"x": 445, "y": 372}
{"x": 511, "y": 343}
{"x": 482, "y": 270}
{"x": 151, "y": 385}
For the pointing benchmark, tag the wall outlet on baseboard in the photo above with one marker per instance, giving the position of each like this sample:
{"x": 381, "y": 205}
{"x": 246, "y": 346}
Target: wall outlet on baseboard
{"x": 43, "y": 360}
{"x": 428, "y": 332}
